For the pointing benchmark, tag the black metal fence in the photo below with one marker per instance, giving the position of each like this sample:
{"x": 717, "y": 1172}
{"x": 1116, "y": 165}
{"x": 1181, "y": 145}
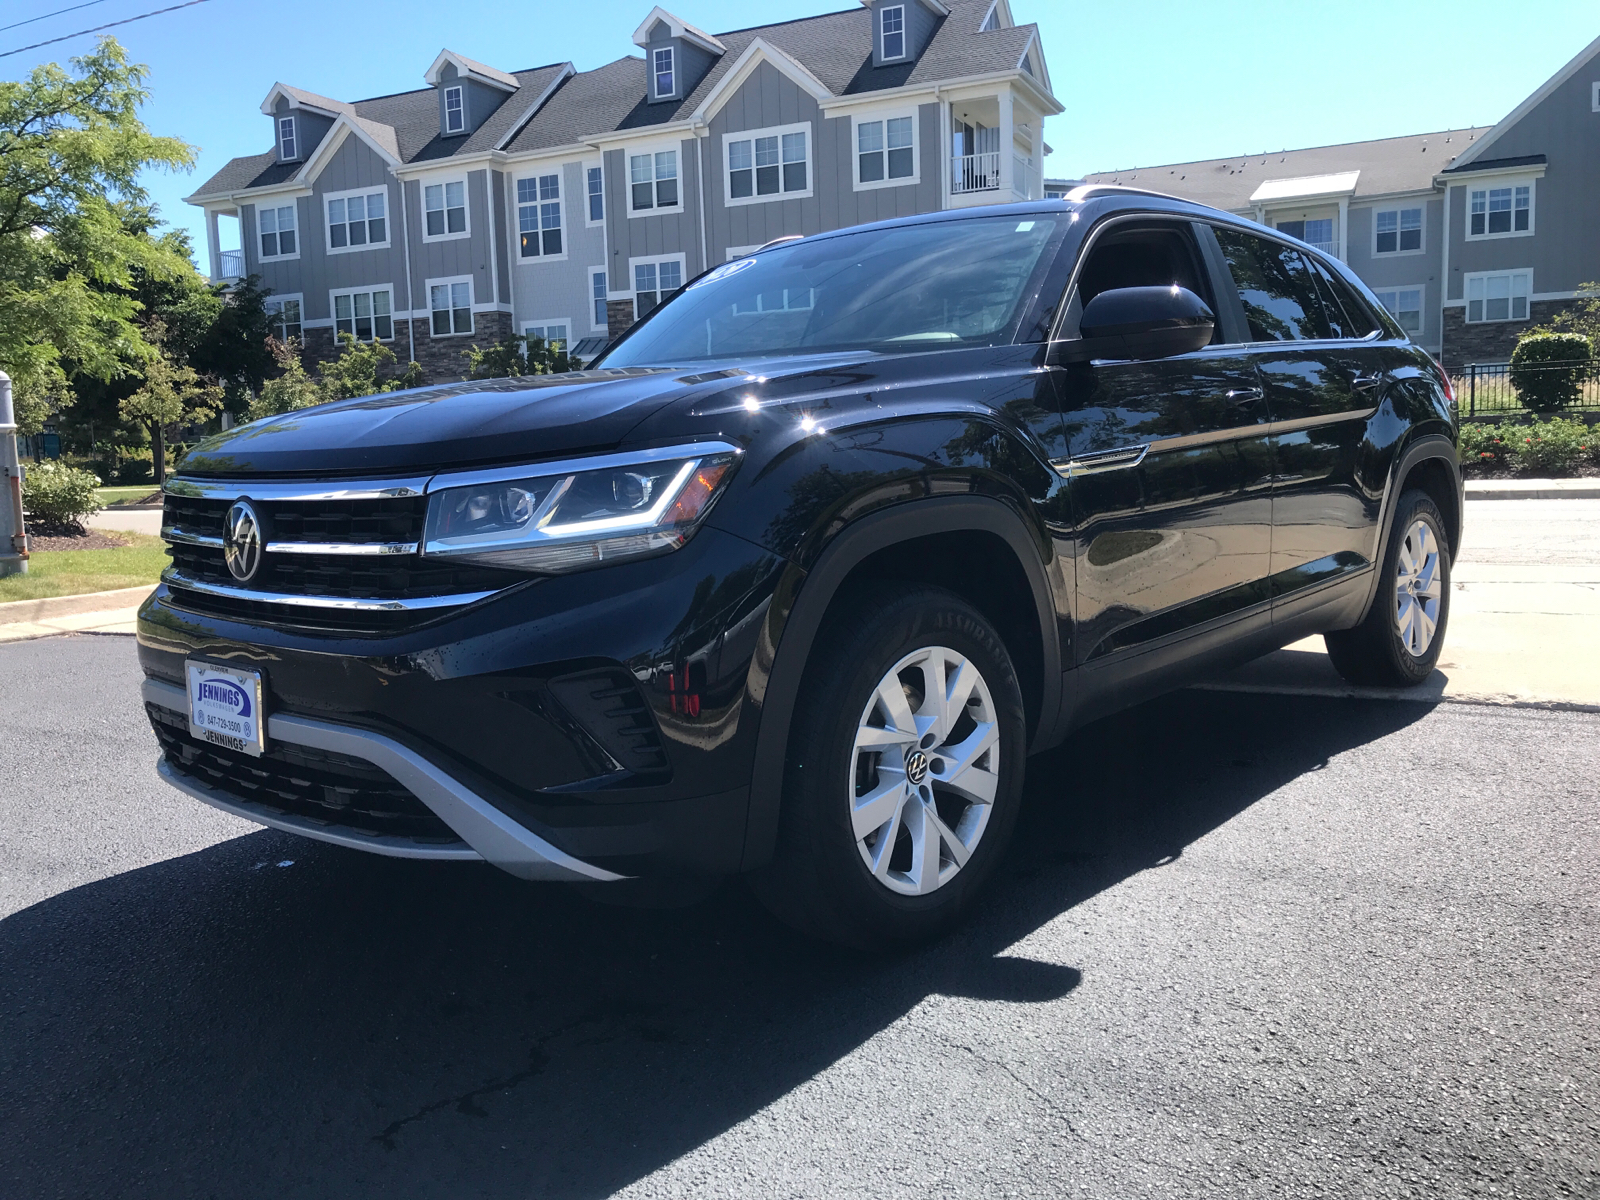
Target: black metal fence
{"x": 1484, "y": 390}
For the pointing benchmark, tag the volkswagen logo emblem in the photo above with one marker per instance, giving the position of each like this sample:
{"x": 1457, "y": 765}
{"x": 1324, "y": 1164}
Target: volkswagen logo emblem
{"x": 241, "y": 541}
{"x": 916, "y": 767}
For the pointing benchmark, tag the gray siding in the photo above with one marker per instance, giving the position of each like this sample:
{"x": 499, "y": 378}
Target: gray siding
{"x": 1564, "y": 250}
{"x": 690, "y": 62}
{"x": 639, "y": 237}
{"x": 1402, "y": 270}
{"x": 453, "y": 256}
{"x": 919, "y": 26}
{"x": 478, "y": 99}
{"x": 548, "y": 289}
{"x": 311, "y": 127}
{"x": 502, "y": 228}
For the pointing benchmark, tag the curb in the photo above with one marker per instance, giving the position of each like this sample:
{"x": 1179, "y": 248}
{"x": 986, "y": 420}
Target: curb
{"x": 22, "y": 611}
{"x": 133, "y": 508}
{"x": 1533, "y": 489}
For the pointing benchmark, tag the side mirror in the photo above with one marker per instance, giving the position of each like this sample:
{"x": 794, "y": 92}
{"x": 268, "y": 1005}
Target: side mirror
{"x": 1139, "y": 323}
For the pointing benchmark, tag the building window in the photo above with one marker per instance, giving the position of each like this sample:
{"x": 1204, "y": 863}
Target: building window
{"x": 1499, "y": 297}
{"x": 654, "y": 179}
{"x": 450, "y": 305}
{"x": 776, "y": 300}
{"x": 1399, "y": 231}
{"x": 539, "y": 215}
{"x": 276, "y": 227}
{"x": 597, "y": 289}
{"x": 1313, "y": 233}
{"x": 552, "y": 333}
{"x": 885, "y": 150}
{"x": 597, "y": 194}
{"x": 366, "y": 315}
{"x": 288, "y": 146}
{"x": 894, "y": 32}
{"x": 663, "y": 68}
{"x": 444, "y": 207}
{"x": 654, "y": 282}
{"x": 769, "y": 162}
{"x": 1405, "y": 305}
{"x": 1498, "y": 212}
{"x": 357, "y": 219}
{"x": 455, "y": 112}
{"x": 283, "y": 317}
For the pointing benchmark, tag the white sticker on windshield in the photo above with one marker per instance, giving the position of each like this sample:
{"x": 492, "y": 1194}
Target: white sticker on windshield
{"x": 1024, "y": 226}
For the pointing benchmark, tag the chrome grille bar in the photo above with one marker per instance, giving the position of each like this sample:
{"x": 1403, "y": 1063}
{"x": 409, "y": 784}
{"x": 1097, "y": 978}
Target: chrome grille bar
{"x": 188, "y": 582}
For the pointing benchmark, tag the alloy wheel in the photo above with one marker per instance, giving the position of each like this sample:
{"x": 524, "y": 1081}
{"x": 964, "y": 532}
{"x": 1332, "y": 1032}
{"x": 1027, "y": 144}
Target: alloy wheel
{"x": 924, "y": 770}
{"x": 1418, "y": 588}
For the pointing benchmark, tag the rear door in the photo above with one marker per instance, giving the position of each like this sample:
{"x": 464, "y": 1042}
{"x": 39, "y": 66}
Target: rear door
{"x": 1324, "y": 379}
{"x": 1168, "y": 462}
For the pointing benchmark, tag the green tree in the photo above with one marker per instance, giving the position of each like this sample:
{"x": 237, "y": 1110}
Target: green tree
{"x": 1582, "y": 318}
{"x": 292, "y": 389}
{"x": 173, "y": 394}
{"x": 237, "y": 348}
{"x": 72, "y": 147}
{"x": 515, "y": 356}
{"x": 356, "y": 371}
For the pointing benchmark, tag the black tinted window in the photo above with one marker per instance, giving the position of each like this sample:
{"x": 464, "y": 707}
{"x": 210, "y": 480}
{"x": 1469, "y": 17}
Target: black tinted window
{"x": 1347, "y": 316}
{"x": 1275, "y": 284}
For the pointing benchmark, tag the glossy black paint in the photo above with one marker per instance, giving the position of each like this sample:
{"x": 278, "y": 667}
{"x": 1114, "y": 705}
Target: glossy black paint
{"x": 945, "y": 466}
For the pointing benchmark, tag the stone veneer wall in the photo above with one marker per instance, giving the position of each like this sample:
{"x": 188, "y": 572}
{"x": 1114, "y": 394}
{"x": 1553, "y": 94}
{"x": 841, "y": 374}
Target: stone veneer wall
{"x": 619, "y": 317}
{"x": 1490, "y": 341}
{"x": 443, "y": 359}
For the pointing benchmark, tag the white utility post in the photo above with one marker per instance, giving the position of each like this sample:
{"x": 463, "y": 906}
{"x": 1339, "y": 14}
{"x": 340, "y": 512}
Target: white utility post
{"x": 13, "y": 537}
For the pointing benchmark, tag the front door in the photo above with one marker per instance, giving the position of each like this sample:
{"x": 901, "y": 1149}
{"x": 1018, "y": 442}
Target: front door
{"x": 1168, "y": 463}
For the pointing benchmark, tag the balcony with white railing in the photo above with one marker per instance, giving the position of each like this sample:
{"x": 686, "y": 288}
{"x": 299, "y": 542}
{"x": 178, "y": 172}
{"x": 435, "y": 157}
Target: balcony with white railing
{"x": 974, "y": 173}
{"x": 231, "y": 264}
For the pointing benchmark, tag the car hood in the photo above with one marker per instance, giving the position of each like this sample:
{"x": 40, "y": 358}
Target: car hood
{"x": 477, "y": 422}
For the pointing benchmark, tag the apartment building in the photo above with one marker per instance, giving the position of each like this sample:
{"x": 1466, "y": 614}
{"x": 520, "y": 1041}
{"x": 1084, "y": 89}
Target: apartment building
{"x": 1469, "y": 236}
{"x": 566, "y": 204}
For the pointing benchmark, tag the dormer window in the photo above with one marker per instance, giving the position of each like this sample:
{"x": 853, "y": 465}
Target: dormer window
{"x": 288, "y": 150}
{"x": 894, "y": 32}
{"x": 662, "y": 63}
{"x": 455, "y": 112}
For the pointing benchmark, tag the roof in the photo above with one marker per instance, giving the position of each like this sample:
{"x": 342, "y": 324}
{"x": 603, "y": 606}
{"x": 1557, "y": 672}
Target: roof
{"x": 1386, "y": 166}
{"x": 1497, "y": 164}
{"x": 835, "y": 48}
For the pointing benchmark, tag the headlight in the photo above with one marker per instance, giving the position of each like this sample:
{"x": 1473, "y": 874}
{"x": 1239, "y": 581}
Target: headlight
{"x": 617, "y": 507}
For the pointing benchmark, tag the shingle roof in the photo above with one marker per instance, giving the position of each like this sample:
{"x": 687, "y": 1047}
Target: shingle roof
{"x": 1387, "y": 166}
{"x": 835, "y": 47}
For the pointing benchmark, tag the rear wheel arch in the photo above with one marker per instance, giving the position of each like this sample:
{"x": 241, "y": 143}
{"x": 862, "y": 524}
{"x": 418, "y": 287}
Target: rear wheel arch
{"x": 1429, "y": 464}
{"x": 976, "y": 546}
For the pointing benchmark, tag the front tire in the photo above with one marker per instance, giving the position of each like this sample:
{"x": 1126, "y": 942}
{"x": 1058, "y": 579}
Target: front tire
{"x": 1399, "y": 642}
{"x": 904, "y": 771}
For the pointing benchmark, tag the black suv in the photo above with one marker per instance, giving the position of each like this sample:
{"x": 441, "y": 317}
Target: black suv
{"x": 793, "y": 579}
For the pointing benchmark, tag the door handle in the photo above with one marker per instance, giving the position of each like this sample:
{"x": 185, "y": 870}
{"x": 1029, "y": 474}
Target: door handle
{"x": 1367, "y": 383}
{"x": 1247, "y": 395}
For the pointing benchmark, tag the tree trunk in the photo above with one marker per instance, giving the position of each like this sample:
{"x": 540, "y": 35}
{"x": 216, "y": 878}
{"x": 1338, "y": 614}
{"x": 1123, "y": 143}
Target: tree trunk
{"x": 158, "y": 448}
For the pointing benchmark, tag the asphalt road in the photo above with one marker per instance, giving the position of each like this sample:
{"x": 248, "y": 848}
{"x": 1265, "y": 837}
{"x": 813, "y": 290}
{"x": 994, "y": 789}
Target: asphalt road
{"x": 1244, "y": 946}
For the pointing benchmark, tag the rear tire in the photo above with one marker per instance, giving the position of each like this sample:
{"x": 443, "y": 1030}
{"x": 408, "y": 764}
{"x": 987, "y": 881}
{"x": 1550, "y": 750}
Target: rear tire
{"x": 897, "y": 804}
{"x": 1398, "y": 643}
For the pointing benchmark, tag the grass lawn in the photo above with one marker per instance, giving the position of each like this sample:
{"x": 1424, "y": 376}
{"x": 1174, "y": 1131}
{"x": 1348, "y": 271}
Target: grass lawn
{"x": 73, "y": 572}
{"x": 123, "y": 495}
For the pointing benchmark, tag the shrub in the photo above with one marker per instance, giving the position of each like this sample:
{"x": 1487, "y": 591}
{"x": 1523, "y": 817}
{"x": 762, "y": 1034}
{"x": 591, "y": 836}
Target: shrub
{"x": 1556, "y": 447}
{"x": 1548, "y": 369}
{"x": 1483, "y": 445}
{"x": 56, "y": 494}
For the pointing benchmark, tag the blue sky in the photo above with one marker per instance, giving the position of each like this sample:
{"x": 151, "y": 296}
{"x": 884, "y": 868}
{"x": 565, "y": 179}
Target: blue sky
{"x": 1143, "y": 83}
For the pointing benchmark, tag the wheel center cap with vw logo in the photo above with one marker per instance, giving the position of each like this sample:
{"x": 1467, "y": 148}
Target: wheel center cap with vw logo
{"x": 916, "y": 767}
{"x": 241, "y": 541}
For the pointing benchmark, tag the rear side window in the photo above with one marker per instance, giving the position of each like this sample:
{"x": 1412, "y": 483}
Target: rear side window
{"x": 1347, "y": 316}
{"x": 1276, "y": 287}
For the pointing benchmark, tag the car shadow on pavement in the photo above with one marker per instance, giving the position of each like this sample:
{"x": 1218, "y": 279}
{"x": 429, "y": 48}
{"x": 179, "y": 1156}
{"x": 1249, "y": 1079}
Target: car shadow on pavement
{"x": 273, "y": 1017}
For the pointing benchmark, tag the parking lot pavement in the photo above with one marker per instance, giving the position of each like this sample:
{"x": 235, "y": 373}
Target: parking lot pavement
{"x": 1243, "y": 946}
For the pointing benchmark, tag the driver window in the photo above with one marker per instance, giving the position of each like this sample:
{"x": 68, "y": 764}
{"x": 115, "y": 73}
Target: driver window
{"x": 1153, "y": 256}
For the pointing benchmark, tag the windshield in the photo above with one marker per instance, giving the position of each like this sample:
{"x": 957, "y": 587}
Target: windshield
{"x": 928, "y": 286}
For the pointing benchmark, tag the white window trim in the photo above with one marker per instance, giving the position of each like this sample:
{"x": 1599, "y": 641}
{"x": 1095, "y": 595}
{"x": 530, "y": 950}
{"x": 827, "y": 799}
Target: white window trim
{"x": 472, "y": 305}
{"x": 905, "y": 36}
{"x": 423, "y": 184}
{"x": 299, "y": 234}
{"x": 588, "y": 278}
{"x": 1396, "y": 208}
{"x": 300, "y": 298}
{"x": 749, "y": 135}
{"x": 388, "y": 220}
{"x": 672, "y": 67}
{"x": 583, "y": 171}
{"x": 1466, "y": 293}
{"x": 333, "y": 320}
{"x": 652, "y": 149}
{"x": 294, "y": 133}
{"x": 1422, "y": 304}
{"x": 681, "y": 258}
{"x": 740, "y": 252}
{"x": 1531, "y": 182}
{"x": 560, "y": 172}
{"x": 546, "y": 322}
{"x": 461, "y": 92}
{"x": 884, "y": 115}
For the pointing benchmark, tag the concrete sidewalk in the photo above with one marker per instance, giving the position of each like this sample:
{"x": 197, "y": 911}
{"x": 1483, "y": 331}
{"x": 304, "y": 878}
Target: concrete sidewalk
{"x": 94, "y": 612}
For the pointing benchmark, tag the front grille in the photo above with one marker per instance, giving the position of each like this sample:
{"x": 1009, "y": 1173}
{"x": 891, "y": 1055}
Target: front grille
{"x": 346, "y": 577}
{"x": 391, "y": 519}
{"x": 319, "y": 785}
